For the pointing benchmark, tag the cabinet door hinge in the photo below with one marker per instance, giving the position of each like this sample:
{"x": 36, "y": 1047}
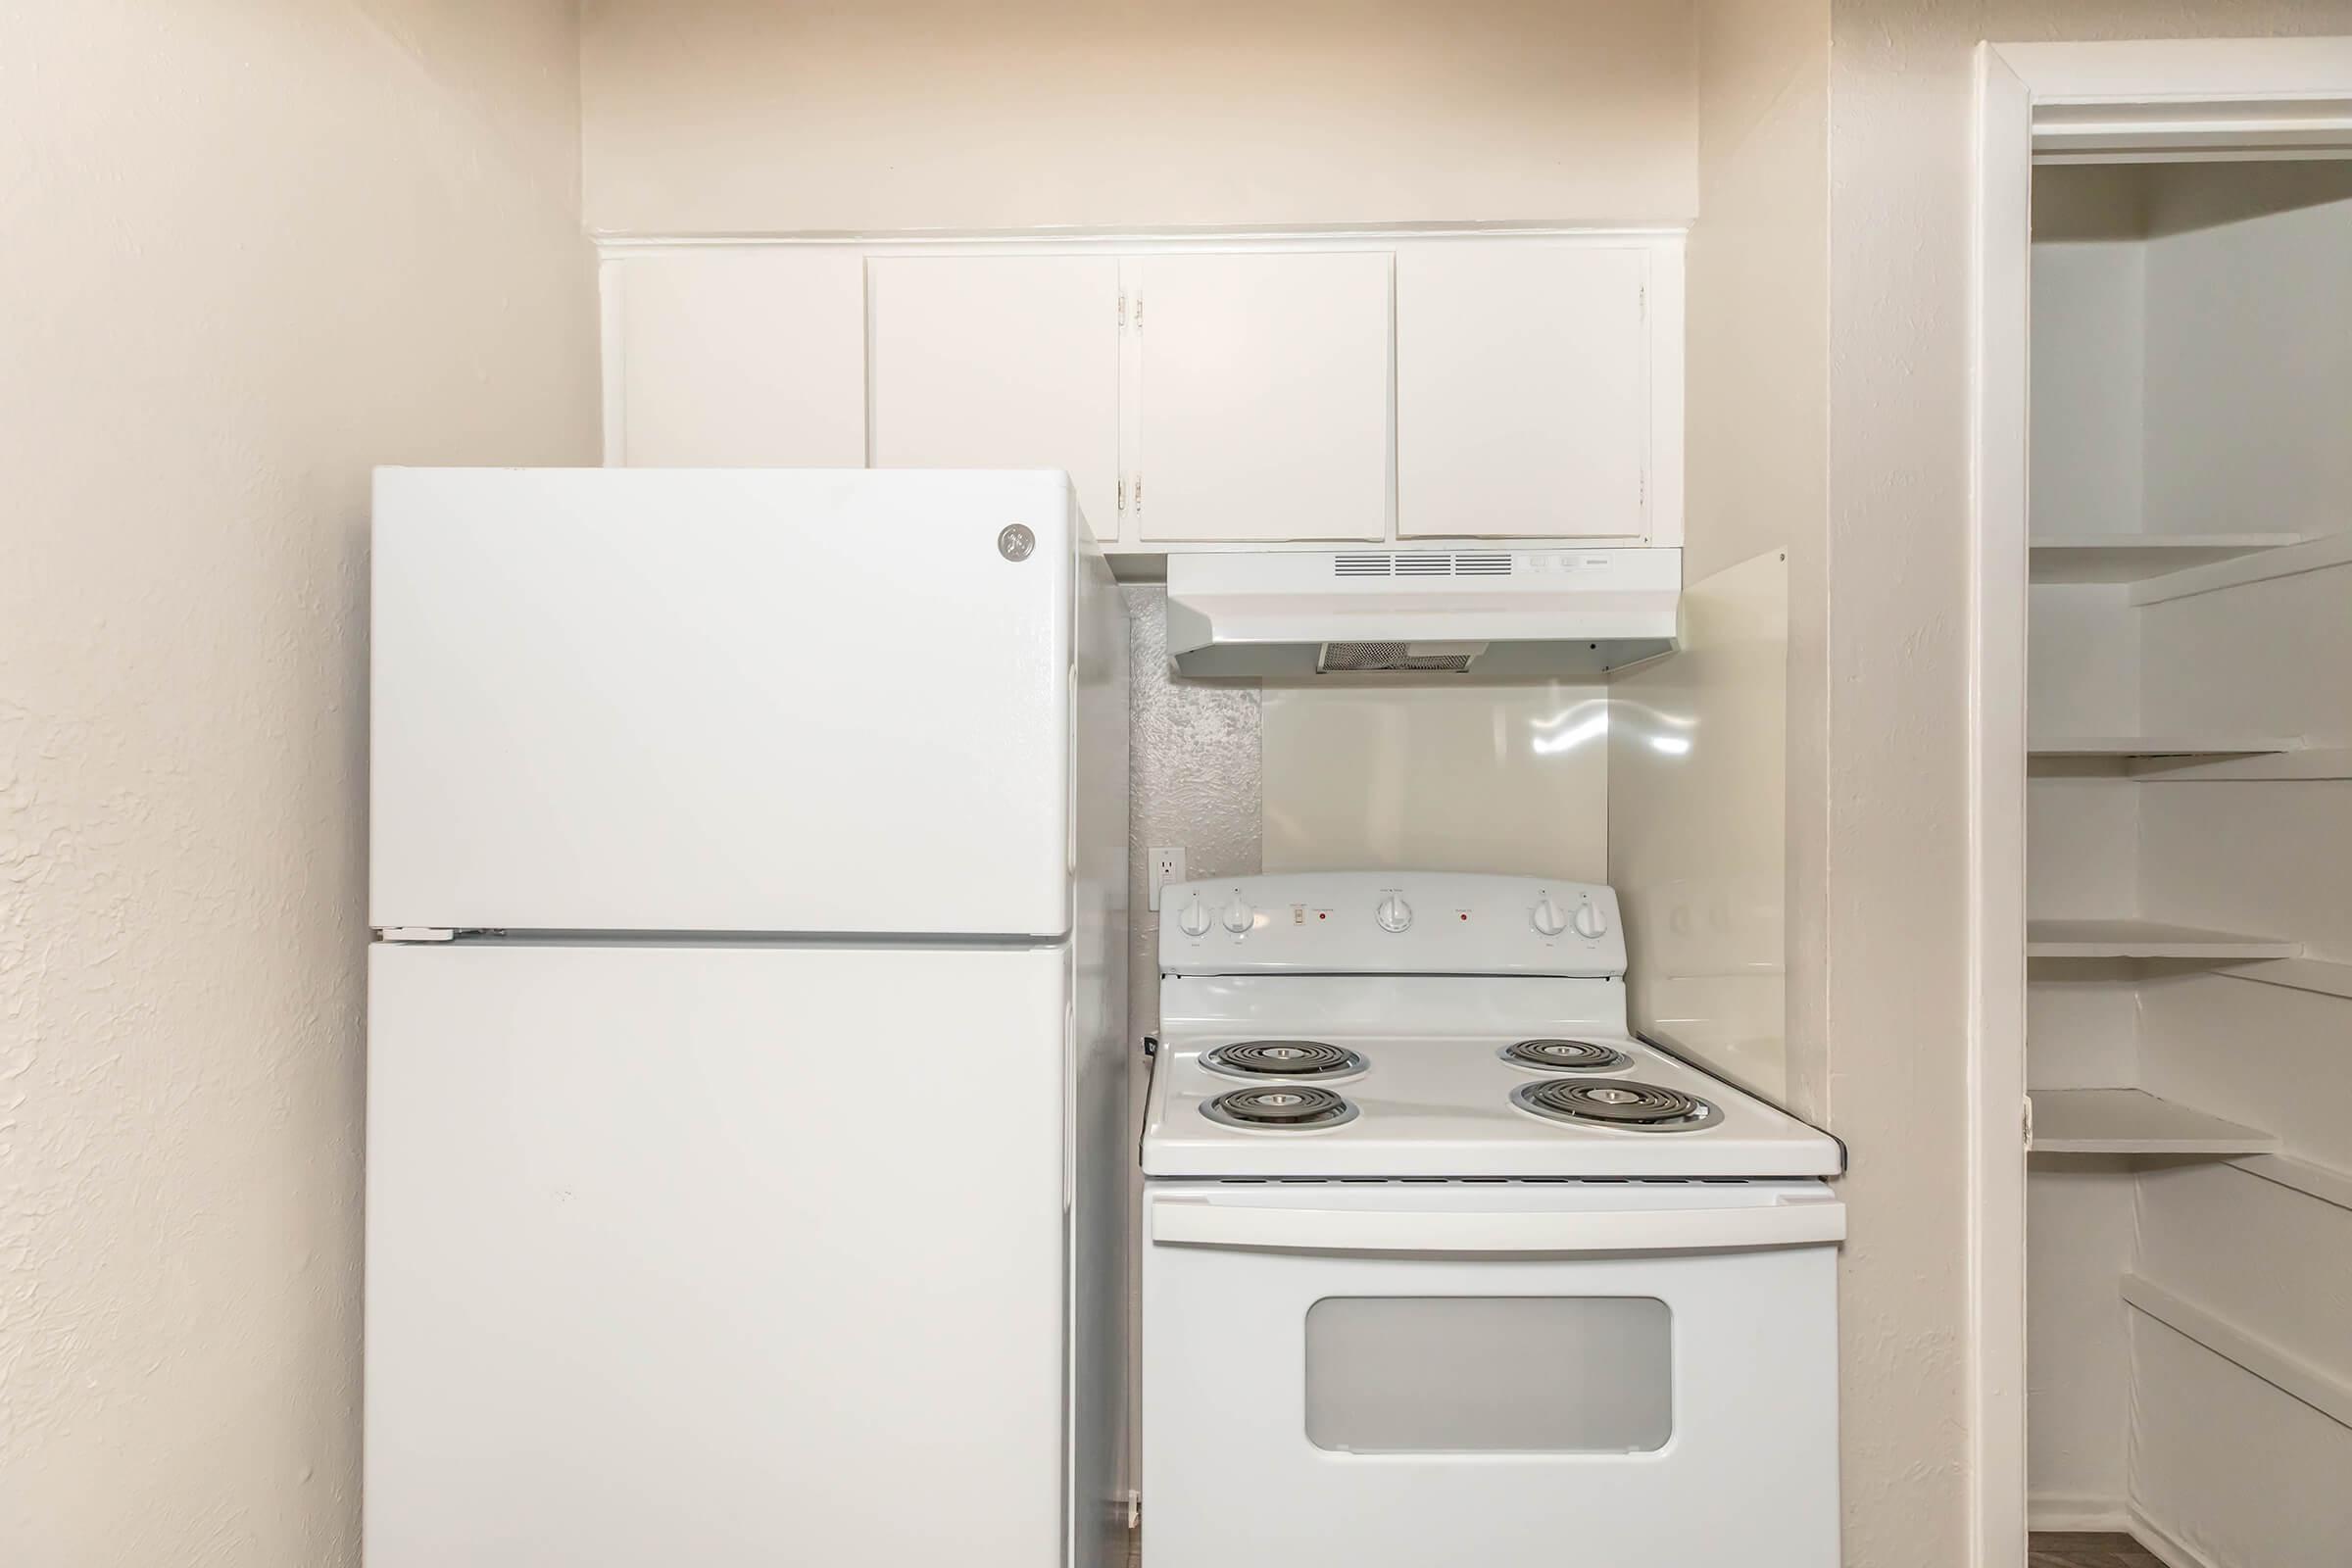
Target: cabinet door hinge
{"x": 1139, "y": 495}
{"x": 1122, "y": 313}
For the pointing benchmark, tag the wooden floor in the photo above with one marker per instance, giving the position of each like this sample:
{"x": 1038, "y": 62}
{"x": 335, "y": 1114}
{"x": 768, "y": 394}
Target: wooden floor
{"x": 2049, "y": 1549}
{"x": 2046, "y": 1549}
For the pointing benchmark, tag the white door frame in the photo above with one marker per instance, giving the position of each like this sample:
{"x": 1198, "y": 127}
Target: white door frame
{"x": 2133, "y": 102}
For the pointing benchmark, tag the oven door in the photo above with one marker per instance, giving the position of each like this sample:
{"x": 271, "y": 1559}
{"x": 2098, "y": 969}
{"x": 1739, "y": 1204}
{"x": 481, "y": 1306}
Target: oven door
{"x": 1605, "y": 1374}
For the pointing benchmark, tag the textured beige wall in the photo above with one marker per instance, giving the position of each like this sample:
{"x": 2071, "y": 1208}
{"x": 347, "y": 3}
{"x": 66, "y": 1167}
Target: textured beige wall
{"x": 253, "y": 247}
{"x": 1758, "y": 282}
{"x": 728, "y": 116}
{"x": 1758, "y": 414}
{"x": 1901, "y": 118}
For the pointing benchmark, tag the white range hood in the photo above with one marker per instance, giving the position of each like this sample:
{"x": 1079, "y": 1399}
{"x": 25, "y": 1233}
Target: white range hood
{"x": 1495, "y": 612}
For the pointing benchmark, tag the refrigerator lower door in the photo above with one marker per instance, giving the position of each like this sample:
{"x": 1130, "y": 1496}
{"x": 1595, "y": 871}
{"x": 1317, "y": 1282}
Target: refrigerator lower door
{"x": 714, "y": 1256}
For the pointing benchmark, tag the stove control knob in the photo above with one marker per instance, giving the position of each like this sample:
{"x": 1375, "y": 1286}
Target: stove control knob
{"x": 1393, "y": 913}
{"x": 1590, "y": 922}
{"x": 1238, "y": 917}
{"x": 1547, "y": 917}
{"x": 1194, "y": 921}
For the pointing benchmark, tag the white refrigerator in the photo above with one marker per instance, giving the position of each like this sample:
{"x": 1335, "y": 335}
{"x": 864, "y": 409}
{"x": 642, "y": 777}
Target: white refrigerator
{"x": 745, "y": 1071}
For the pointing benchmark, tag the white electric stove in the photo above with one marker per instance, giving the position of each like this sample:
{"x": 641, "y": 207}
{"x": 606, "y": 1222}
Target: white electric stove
{"x": 1443, "y": 1265}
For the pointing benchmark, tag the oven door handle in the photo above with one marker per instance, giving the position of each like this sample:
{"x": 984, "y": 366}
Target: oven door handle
{"x": 1792, "y": 1220}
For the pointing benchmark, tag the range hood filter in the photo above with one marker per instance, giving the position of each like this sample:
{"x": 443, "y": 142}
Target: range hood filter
{"x": 1368, "y": 658}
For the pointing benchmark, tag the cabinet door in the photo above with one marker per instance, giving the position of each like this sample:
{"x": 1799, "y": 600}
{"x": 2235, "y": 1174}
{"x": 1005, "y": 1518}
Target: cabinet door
{"x": 1523, "y": 403}
{"x": 749, "y": 357}
{"x": 1265, "y": 395}
{"x": 1000, "y": 362}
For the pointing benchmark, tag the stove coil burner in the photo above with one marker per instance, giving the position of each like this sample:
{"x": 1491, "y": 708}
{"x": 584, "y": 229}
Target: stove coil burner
{"x": 1279, "y": 1107}
{"x": 1283, "y": 1059}
{"x": 1566, "y": 1056}
{"x": 1629, "y": 1107}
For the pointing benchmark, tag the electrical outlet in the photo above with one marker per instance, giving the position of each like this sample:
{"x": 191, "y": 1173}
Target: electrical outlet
{"x": 1167, "y": 865}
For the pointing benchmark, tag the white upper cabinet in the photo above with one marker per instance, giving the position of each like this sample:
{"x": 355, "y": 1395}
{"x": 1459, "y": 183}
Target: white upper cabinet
{"x": 998, "y": 362}
{"x": 1523, "y": 391}
{"x": 736, "y": 358}
{"x": 1265, "y": 395}
{"x": 1202, "y": 394}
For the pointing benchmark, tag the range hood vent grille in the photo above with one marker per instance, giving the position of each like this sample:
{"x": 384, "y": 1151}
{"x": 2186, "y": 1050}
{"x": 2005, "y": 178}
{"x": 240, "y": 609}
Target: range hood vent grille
{"x": 1422, "y": 563}
{"x": 1394, "y": 659}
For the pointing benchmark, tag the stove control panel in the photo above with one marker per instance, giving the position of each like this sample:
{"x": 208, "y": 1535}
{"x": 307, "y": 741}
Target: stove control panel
{"x": 1390, "y": 922}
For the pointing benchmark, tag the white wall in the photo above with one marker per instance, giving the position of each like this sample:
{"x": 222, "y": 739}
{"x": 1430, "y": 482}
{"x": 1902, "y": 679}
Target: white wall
{"x": 1698, "y": 847}
{"x": 2238, "y": 441}
{"x": 1510, "y": 777}
{"x": 2081, "y": 1235}
{"x": 2090, "y": 292}
{"x": 732, "y": 116}
{"x": 253, "y": 248}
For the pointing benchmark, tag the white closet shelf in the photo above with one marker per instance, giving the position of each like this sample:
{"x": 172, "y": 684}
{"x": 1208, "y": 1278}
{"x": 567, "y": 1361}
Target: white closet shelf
{"x": 2326, "y": 1392}
{"x": 2138, "y": 556}
{"x": 2132, "y": 1121}
{"x": 2125, "y": 746}
{"x": 2145, "y": 938}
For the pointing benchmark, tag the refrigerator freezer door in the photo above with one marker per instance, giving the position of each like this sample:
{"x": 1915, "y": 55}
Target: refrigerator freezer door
{"x": 715, "y": 1254}
{"x": 721, "y": 699}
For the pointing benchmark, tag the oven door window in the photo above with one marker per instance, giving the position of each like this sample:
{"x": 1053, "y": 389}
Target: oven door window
{"x": 1490, "y": 1374}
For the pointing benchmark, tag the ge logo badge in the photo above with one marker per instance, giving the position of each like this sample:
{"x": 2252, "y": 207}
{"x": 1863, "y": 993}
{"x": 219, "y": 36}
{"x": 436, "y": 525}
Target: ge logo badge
{"x": 1016, "y": 543}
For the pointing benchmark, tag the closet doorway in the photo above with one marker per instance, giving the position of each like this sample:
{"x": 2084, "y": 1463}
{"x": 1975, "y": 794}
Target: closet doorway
{"x": 2161, "y": 804}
